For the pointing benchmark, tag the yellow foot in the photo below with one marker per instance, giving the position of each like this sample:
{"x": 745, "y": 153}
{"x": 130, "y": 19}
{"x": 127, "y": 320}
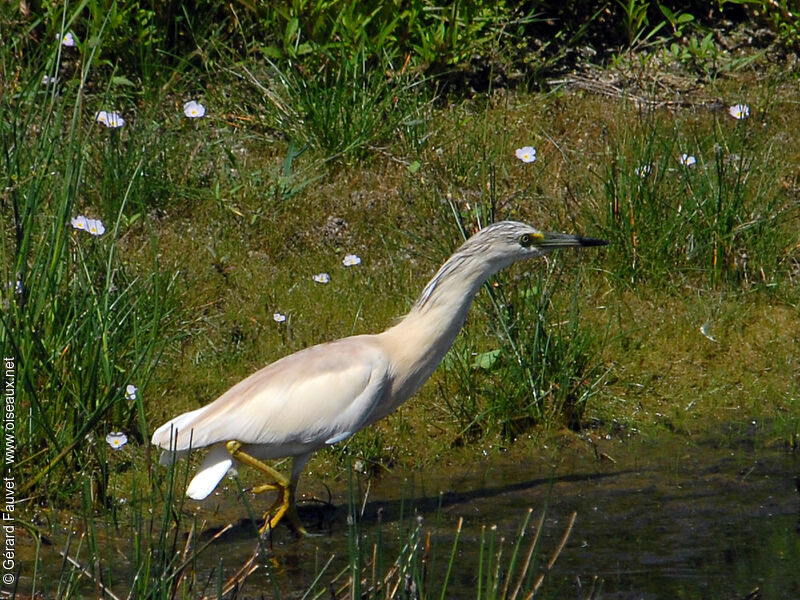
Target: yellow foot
{"x": 284, "y": 502}
{"x": 284, "y": 506}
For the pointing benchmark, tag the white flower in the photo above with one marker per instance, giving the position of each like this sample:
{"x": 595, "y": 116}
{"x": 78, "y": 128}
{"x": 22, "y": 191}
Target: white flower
{"x": 351, "y": 260}
{"x": 687, "y": 160}
{"x": 194, "y": 110}
{"x": 116, "y": 439}
{"x": 278, "y": 317}
{"x": 68, "y": 41}
{"x": 322, "y": 278}
{"x": 739, "y": 111}
{"x": 643, "y": 170}
{"x": 526, "y": 154}
{"x": 131, "y": 391}
{"x": 115, "y": 120}
{"x": 95, "y": 226}
{"x": 15, "y": 285}
{"x": 48, "y": 80}
{"x": 79, "y": 222}
{"x": 112, "y": 120}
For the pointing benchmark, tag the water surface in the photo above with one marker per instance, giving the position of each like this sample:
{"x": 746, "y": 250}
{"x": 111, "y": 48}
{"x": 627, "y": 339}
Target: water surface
{"x": 658, "y": 519}
{"x": 687, "y": 520}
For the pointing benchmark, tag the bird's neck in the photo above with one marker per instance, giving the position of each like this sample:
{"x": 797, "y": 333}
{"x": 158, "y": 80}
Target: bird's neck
{"x": 420, "y": 341}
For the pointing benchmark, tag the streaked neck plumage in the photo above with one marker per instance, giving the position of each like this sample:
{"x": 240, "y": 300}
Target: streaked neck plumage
{"x": 418, "y": 343}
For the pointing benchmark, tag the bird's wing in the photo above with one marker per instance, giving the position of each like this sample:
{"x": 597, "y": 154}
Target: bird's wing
{"x": 319, "y": 395}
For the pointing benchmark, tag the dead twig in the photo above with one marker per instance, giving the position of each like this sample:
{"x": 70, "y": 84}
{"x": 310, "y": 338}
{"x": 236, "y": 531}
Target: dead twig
{"x": 555, "y": 556}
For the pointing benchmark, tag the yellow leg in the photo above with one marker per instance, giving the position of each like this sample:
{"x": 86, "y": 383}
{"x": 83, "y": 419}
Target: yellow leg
{"x": 284, "y": 503}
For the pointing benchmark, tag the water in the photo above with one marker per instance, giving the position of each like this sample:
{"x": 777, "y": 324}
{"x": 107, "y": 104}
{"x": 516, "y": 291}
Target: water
{"x": 678, "y": 521}
{"x": 656, "y": 520}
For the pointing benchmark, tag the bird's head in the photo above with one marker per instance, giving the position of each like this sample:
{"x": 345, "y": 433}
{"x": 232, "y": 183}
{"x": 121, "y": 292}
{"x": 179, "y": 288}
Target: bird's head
{"x": 491, "y": 249}
{"x": 506, "y": 242}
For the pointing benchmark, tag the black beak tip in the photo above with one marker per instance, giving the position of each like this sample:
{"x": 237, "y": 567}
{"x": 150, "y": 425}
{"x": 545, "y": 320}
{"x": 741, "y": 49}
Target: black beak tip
{"x": 593, "y": 242}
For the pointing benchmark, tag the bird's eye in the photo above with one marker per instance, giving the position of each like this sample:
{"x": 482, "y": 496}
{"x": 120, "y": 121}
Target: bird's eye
{"x": 525, "y": 240}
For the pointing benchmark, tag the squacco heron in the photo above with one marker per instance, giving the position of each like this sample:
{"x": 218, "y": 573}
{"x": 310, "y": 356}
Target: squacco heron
{"x": 324, "y": 394}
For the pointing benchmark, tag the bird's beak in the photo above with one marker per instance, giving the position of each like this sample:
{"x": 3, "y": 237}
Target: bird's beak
{"x": 564, "y": 240}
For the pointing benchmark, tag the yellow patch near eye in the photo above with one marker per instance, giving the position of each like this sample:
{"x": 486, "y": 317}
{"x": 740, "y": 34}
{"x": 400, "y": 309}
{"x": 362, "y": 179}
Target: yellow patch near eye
{"x": 527, "y": 239}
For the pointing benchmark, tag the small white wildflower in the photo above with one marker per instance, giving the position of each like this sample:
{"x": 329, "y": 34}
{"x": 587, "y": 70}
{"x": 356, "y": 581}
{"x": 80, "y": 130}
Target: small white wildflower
{"x": 739, "y": 111}
{"x": 95, "y": 226}
{"x": 16, "y": 286}
{"x": 68, "y": 41}
{"x": 278, "y": 317}
{"x": 351, "y": 260}
{"x": 131, "y": 391}
{"x": 322, "y": 278}
{"x": 79, "y": 222}
{"x": 48, "y": 80}
{"x": 687, "y": 160}
{"x": 194, "y": 110}
{"x": 116, "y": 439}
{"x": 115, "y": 120}
{"x": 112, "y": 120}
{"x": 643, "y": 170}
{"x": 526, "y": 154}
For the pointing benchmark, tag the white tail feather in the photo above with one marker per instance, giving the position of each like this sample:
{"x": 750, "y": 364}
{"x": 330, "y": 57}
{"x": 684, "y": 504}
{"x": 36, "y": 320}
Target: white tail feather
{"x": 216, "y": 464}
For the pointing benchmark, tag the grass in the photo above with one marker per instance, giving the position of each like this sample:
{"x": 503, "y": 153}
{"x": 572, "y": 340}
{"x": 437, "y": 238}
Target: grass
{"x": 81, "y": 323}
{"x": 347, "y": 111}
{"x": 215, "y": 224}
{"x": 708, "y": 217}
